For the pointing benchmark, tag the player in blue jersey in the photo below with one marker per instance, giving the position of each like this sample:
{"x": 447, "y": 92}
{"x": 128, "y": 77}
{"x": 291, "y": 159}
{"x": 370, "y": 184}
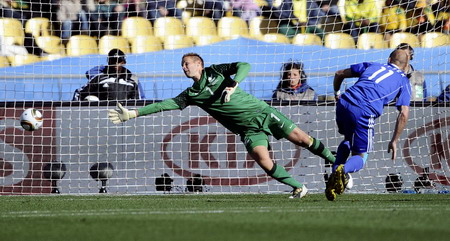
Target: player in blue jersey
{"x": 359, "y": 107}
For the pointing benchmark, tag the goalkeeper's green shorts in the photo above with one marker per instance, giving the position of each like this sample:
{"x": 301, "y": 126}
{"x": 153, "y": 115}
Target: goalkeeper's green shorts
{"x": 269, "y": 122}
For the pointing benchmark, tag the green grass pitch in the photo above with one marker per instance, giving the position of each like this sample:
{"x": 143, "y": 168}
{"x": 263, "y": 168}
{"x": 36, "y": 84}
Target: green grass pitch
{"x": 402, "y": 217}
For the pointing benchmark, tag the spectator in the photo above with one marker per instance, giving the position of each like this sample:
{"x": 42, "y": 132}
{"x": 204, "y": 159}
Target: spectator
{"x": 445, "y": 95}
{"x": 293, "y": 84}
{"x": 293, "y": 15}
{"x": 416, "y": 78}
{"x": 214, "y": 9}
{"x": 14, "y": 9}
{"x": 362, "y": 16}
{"x": 442, "y": 9}
{"x": 107, "y": 18}
{"x": 111, "y": 82}
{"x": 135, "y": 8}
{"x": 393, "y": 18}
{"x": 421, "y": 19}
{"x": 162, "y": 8}
{"x": 328, "y": 7}
{"x": 70, "y": 11}
{"x": 245, "y": 9}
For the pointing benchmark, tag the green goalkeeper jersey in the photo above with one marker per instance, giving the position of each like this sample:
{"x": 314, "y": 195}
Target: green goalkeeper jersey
{"x": 237, "y": 115}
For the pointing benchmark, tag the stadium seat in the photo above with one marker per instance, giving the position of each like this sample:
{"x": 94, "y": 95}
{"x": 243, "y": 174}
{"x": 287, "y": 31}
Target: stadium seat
{"x": 50, "y": 44}
{"x": 135, "y": 26}
{"x": 38, "y": 27}
{"x": 207, "y": 40}
{"x": 306, "y": 39}
{"x": 178, "y": 41}
{"x": 339, "y": 41}
{"x": 258, "y": 26}
{"x": 398, "y": 38}
{"x": 4, "y": 62}
{"x": 276, "y": 38}
{"x": 12, "y": 31}
{"x": 81, "y": 45}
{"x": 232, "y": 27}
{"x": 144, "y": 44}
{"x": 371, "y": 41}
{"x": 18, "y": 60}
{"x": 108, "y": 42}
{"x": 197, "y": 26}
{"x": 434, "y": 39}
{"x": 168, "y": 26}
{"x": 52, "y": 57}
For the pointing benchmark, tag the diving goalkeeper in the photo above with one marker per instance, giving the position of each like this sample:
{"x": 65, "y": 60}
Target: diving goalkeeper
{"x": 218, "y": 93}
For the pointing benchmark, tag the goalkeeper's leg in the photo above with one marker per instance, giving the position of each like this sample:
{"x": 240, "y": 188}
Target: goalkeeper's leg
{"x": 300, "y": 138}
{"x": 261, "y": 155}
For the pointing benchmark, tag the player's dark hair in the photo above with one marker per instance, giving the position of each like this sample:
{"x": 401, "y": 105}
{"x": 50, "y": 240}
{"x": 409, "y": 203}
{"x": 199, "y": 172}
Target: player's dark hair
{"x": 195, "y": 55}
{"x": 291, "y": 64}
{"x": 406, "y": 46}
{"x": 116, "y": 56}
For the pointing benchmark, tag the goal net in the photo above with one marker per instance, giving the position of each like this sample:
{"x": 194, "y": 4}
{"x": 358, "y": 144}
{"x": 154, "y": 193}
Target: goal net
{"x": 45, "y": 58}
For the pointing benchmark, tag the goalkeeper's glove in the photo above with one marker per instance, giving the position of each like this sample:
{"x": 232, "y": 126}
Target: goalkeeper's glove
{"x": 121, "y": 115}
{"x": 228, "y": 91}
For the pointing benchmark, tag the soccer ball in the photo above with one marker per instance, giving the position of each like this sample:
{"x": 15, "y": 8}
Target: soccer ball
{"x": 31, "y": 119}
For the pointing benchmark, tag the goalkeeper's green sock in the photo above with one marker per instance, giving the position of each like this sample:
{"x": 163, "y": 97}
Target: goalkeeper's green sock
{"x": 317, "y": 148}
{"x": 280, "y": 174}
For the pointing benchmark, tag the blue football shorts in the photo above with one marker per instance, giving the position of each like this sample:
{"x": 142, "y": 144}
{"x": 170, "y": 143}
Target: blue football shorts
{"x": 357, "y": 126}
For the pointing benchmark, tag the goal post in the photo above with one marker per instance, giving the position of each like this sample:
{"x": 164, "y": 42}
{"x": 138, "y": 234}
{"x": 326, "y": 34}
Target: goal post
{"x": 79, "y": 151}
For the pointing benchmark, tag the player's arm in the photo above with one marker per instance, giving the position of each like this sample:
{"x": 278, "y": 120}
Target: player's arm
{"x": 242, "y": 70}
{"x": 400, "y": 124}
{"x": 122, "y": 114}
{"x": 339, "y": 77}
{"x": 239, "y": 70}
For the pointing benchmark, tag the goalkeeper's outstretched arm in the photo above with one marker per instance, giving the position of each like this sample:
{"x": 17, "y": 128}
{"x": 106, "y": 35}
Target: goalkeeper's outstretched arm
{"x": 122, "y": 114}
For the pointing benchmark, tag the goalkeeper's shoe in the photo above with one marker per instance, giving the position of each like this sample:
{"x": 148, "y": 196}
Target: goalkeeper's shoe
{"x": 299, "y": 192}
{"x": 330, "y": 192}
{"x": 341, "y": 179}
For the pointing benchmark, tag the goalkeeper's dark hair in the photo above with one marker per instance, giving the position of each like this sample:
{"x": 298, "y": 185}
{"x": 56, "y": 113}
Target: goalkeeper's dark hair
{"x": 195, "y": 55}
{"x": 406, "y": 46}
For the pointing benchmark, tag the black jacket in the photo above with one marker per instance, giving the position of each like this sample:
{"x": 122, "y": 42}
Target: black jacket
{"x": 105, "y": 84}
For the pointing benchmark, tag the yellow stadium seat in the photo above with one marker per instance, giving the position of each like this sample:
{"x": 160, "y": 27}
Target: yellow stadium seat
{"x": 50, "y": 44}
{"x": 108, "y": 42}
{"x": 232, "y": 27}
{"x": 168, "y": 26}
{"x": 18, "y": 60}
{"x": 81, "y": 45}
{"x": 276, "y": 38}
{"x": 434, "y": 39}
{"x": 135, "y": 26}
{"x": 38, "y": 27}
{"x": 178, "y": 41}
{"x": 197, "y": 26}
{"x": 398, "y": 38}
{"x": 339, "y": 41}
{"x": 258, "y": 26}
{"x": 371, "y": 41}
{"x": 306, "y": 39}
{"x": 144, "y": 44}
{"x": 4, "y": 62}
{"x": 207, "y": 39}
{"x": 52, "y": 57}
{"x": 12, "y": 31}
